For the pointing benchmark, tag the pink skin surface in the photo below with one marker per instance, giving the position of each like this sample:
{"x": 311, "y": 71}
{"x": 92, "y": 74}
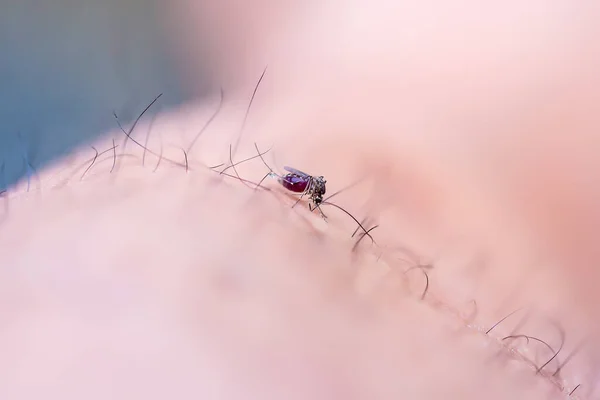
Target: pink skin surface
{"x": 467, "y": 134}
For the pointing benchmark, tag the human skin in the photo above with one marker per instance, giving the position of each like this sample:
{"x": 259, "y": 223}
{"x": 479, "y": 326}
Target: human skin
{"x": 128, "y": 280}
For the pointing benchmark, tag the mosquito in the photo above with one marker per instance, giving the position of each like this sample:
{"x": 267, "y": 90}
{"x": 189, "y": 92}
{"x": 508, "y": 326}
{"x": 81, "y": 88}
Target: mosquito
{"x": 307, "y": 185}
{"x": 299, "y": 182}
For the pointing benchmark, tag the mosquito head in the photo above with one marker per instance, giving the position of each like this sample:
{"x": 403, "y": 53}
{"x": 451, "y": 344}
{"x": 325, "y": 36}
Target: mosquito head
{"x": 317, "y": 199}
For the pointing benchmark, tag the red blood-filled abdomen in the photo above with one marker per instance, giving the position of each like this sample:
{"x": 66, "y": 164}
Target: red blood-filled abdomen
{"x": 294, "y": 183}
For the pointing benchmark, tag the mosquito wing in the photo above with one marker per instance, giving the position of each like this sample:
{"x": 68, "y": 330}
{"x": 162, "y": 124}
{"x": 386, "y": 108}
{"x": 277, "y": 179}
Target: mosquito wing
{"x": 297, "y": 172}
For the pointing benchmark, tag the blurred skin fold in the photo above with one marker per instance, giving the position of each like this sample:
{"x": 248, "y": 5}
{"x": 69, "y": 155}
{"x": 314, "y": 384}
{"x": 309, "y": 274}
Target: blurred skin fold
{"x": 467, "y": 132}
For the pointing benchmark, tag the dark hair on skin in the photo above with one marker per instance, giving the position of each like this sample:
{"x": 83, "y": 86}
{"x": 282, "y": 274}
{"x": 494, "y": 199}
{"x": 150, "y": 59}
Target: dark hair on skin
{"x": 528, "y": 338}
{"x": 128, "y": 133}
{"x": 416, "y": 264}
{"x": 92, "y": 161}
{"x": 366, "y": 232}
{"x": 237, "y": 142}
{"x": 114, "y": 156}
{"x": 160, "y": 156}
{"x": 129, "y": 136}
{"x": 350, "y": 186}
{"x": 207, "y": 124}
{"x": 185, "y": 164}
{"x": 573, "y": 391}
{"x": 513, "y": 336}
{"x": 576, "y": 350}
{"x": 186, "y": 161}
{"x": 147, "y": 138}
{"x": 503, "y": 319}
{"x": 522, "y": 322}
{"x": 265, "y": 163}
{"x": 91, "y": 165}
{"x": 233, "y": 165}
{"x": 422, "y": 268}
{"x": 562, "y": 343}
{"x": 363, "y": 234}
{"x": 29, "y": 168}
{"x": 363, "y": 222}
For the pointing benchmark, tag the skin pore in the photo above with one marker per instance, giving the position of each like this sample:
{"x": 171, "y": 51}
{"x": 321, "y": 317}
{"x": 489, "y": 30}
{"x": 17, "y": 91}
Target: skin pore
{"x": 133, "y": 273}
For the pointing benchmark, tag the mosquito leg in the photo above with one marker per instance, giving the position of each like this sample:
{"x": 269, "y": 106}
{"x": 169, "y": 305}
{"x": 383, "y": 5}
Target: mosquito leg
{"x": 265, "y": 177}
{"x": 298, "y": 201}
{"x": 309, "y": 189}
{"x": 322, "y": 213}
{"x": 311, "y": 208}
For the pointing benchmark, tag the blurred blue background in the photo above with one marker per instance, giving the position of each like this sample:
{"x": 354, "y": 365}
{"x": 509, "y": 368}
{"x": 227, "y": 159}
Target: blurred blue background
{"x": 66, "y": 65}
